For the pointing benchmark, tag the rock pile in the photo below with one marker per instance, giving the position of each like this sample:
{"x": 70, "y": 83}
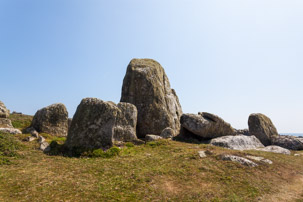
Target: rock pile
{"x": 147, "y": 87}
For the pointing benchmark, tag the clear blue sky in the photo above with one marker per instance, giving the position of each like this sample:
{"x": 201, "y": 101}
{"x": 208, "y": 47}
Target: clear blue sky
{"x": 230, "y": 58}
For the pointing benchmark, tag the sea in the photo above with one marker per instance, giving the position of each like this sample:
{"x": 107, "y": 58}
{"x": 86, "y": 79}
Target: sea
{"x": 293, "y": 134}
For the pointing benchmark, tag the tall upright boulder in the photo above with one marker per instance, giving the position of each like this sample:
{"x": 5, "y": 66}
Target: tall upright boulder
{"x": 147, "y": 87}
{"x": 262, "y": 127}
{"x": 52, "y": 120}
{"x": 98, "y": 124}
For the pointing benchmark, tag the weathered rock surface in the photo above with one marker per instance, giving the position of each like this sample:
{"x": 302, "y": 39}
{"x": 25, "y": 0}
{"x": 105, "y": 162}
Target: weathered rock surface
{"x": 275, "y": 149}
{"x": 52, "y": 120}
{"x": 12, "y": 131}
{"x": 202, "y": 154}
{"x": 262, "y": 127}
{"x": 259, "y": 158}
{"x": 242, "y": 132}
{"x": 150, "y": 138}
{"x": 147, "y": 87}
{"x": 168, "y": 133}
{"x": 5, "y": 123}
{"x": 239, "y": 142}
{"x": 239, "y": 159}
{"x": 98, "y": 124}
{"x": 287, "y": 142}
{"x": 206, "y": 125}
{"x": 4, "y": 112}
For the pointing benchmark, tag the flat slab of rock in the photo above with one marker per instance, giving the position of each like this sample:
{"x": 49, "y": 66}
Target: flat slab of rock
{"x": 202, "y": 154}
{"x": 259, "y": 158}
{"x": 287, "y": 142}
{"x": 262, "y": 127}
{"x": 206, "y": 125}
{"x": 12, "y": 131}
{"x": 52, "y": 120}
{"x": 98, "y": 124}
{"x": 238, "y": 159}
{"x": 275, "y": 149}
{"x": 147, "y": 87}
{"x": 239, "y": 142}
{"x": 150, "y": 138}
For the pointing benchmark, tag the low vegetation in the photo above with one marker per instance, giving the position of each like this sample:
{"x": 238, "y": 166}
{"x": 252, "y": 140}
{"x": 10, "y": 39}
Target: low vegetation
{"x": 156, "y": 171}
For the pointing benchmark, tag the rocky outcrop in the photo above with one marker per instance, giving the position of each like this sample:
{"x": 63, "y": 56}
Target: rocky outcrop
{"x": 262, "y": 127}
{"x": 288, "y": 142}
{"x": 4, "y": 112}
{"x": 147, "y": 87}
{"x": 5, "y": 123}
{"x": 275, "y": 149}
{"x": 239, "y": 142}
{"x": 52, "y": 120}
{"x": 98, "y": 124}
{"x": 206, "y": 125}
{"x": 238, "y": 159}
{"x": 12, "y": 131}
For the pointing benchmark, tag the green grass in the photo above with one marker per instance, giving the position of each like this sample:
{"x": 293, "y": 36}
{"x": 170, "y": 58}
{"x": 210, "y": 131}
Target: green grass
{"x": 20, "y": 121}
{"x": 8, "y": 148}
{"x": 156, "y": 171}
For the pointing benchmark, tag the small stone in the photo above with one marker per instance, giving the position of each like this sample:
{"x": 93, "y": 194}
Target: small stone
{"x": 202, "y": 154}
{"x": 297, "y": 155}
{"x": 238, "y": 159}
{"x": 149, "y": 138}
{"x": 12, "y": 131}
{"x": 259, "y": 158}
{"x": 29, "y": 139}
{"x": 44, "y": 146}
{"x": 41, "y": 139}
{"x": 168, "y": 133}
{"x": 35, "y": 134}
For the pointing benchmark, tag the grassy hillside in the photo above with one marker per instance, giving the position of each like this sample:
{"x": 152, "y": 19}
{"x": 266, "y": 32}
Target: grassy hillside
{"x": 157, "y": 171}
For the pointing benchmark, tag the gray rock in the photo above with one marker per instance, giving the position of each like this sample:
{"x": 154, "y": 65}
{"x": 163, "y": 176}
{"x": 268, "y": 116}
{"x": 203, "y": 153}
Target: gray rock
{"x": 147, "y": 87}
{"x": 52, "y": 120}
{"x": 98, "y": 124}
{"x": 29, "y": 139}
{"x": 262, "y": 127}
{"x": 5, "y": 123}
{"x": 239, "y": 142}
{"x": 275, "y": 149}
{"x": 44, "y": 146}
{"x": 4, "y": 112}
{"x": 297, "y": 155}
{"x": 287, "y": 142}
{"x": 150, "y": 138}
{"x": 243, "y": 132}
{"x": 202, "y": 154}
{"x": 238, "y": 159}
{"x": 259, "y": 158}
{"x": 206, "y": 125}
{"x": 35, "y": 134}
{"x": 168, "y": 133}
{"x": 32, "y": 131}
{"x": 41, "y": 139}
{"x": 12, "y": 131}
